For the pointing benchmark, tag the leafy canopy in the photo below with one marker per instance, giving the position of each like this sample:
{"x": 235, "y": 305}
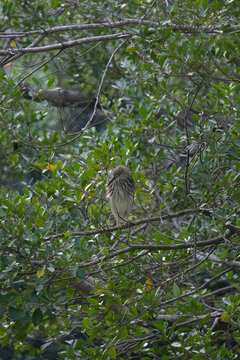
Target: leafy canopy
{"x": 161, "y": 80}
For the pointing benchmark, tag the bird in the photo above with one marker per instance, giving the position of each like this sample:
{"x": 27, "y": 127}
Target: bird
{"x": 120, "y": 193}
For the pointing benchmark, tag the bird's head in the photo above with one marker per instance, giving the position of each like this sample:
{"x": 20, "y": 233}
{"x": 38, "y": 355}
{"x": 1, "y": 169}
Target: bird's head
{"x": 119, "y": 172}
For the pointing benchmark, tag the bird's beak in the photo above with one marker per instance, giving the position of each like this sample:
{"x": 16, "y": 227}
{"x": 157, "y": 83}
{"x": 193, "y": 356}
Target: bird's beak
{"x": 111, "y": 180}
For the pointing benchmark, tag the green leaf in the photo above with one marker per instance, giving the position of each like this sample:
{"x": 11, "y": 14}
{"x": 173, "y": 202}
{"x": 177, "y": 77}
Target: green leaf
{"x": 3, "y": 331}
{"x": 37, "y": 317}
{"x": 128, "y": 144}
{"x": 174, "y": 9}
{"x": 70, "y": 292}
{"x": 78, "y": 242}
{"x": 36, "y": 81}
{"x": 39, "y": 222}
{"x": 237, "y": 142}
{"x": 93, "y": 301}
{"x": 112, "y": 353}
{"x": 15, "y": 313}
{"x": 216, "y": 5}
{"x": 176, "y": 290}
{"x": 48, "y": 225}
{"x": 143, "y": 111}
{"x": 209, "y": 334}
{"x": 233, "y": 155}
{"x": 33, "y": 298}
{"x": 204, "y": 4}
{"x": 197, "y": 3}
{"x": 133, "y": 310}
{"x": 41, "y": 96}
{"x": 86, "y": 322}
{"x": 5, "y": 340}
{"x": 2, "y": 212}
{"x": 124, "y": 333}
{"x": 81, "y": 274}
{"x": 160, "y": 325}
{"x": 50, "y": 82}
{"x": 85, "y": 177}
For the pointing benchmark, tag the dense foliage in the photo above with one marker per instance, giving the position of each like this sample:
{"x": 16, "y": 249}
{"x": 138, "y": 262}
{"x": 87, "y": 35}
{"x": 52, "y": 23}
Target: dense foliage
{"x": 86, "y": 86}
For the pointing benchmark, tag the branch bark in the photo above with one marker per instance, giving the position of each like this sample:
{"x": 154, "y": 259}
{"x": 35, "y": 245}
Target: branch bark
{"x": 59, "y": 97}
{"x": 63, "y": 45}
{"x": 132, "y": 224}
{"x": 119, "y": 24}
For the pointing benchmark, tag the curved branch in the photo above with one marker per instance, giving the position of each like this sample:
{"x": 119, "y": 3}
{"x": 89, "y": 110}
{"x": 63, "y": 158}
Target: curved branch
{"x": 190, "y": 245}
{"x": 64, "y": 44}
{"x": 131, "y": 224}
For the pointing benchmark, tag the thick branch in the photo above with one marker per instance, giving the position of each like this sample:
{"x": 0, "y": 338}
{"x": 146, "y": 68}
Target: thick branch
{"x": 233, "y": 228}
{"x": 131, "y": 224}
{"x": 120, "y": 24}
{"x": 174, "y": 318}
{"x": 63, "y": 45}
{"x": 190, "y": 245}
{"x": 59, "y": 97}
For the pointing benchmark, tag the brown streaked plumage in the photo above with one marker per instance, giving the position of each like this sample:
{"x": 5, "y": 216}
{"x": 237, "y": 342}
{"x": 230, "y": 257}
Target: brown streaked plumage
{"x": 120, "y": 193}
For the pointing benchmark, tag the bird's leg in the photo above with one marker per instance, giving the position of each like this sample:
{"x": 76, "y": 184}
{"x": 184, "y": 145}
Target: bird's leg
{"x": 118, "y": 224}
{"x": 128, "y": 236}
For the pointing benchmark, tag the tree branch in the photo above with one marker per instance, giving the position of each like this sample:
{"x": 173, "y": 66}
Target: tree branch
{"x": 59, "y": 97}
{"x": 119, "y": 24}
{"x": 63, "y": 45}
{"x": 131, "y": 224}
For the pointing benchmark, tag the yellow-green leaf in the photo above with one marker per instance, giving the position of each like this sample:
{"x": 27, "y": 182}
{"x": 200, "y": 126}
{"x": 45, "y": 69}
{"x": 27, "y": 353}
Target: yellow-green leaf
{"x": 41, "y": 272}
{"x": 225, "y": 317}
{"x": 39, "y": 164}
{"x": 132, "y": 49}
{"x": 112, "y": 353}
